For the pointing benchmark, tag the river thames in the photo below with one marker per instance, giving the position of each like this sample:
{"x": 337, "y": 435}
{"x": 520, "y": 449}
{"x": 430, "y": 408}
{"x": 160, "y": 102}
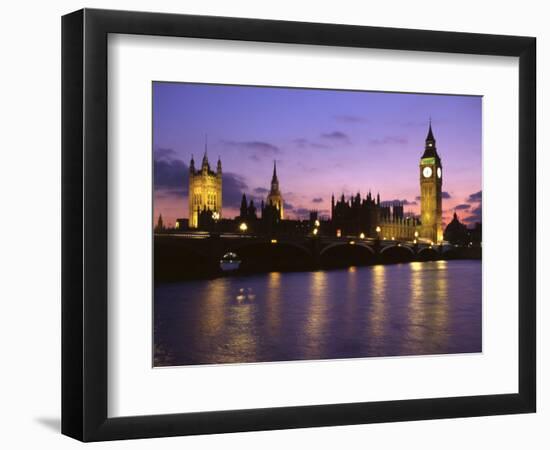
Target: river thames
{"x": 417, "y": 308}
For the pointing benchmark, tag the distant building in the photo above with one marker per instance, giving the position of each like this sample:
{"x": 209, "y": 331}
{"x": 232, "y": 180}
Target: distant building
{"x": 274, "y": 198}
{"x": 394, "y": 224}
{"x": 205, "y": 190}
{"x": 456, "y": 232}
{"x": 431, "y": 182}
{"x": 248, "y": 214}
{"x": 356, "y": 215}
{"x": 160, "y": 224}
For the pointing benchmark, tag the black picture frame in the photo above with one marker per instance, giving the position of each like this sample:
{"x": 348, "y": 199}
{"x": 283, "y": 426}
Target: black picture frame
{"x": 84, "y": 224}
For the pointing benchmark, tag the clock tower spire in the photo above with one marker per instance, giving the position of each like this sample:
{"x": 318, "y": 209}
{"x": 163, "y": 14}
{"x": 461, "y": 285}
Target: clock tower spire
{"x": 431, "y": 182}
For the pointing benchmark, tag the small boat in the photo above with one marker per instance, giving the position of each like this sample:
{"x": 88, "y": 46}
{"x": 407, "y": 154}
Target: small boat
{"x": 229, "y": 262}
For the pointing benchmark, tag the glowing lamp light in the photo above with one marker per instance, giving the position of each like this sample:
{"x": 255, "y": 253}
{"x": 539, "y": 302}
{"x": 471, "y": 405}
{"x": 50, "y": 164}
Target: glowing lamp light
{"x": 177, "y": 225}
{"x": 315, "y": 231}
{"x": 338, "y": 232}
{"x": 378, "y": 229}
{"x": 273, "y": 241}
{"x": 416, "y": 234}
{"x": 393, "y": 238}
{"x": 351, "y": 242}
{"x": 243, "y": 227}
{"x": 215, "y": 215}
{"x": 317, "y": 223}
{"x": 362, "y": 235}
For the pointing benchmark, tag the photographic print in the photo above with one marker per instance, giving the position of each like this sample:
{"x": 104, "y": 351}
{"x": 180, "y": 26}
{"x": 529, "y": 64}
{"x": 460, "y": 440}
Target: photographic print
{"x": 294, "y": 224}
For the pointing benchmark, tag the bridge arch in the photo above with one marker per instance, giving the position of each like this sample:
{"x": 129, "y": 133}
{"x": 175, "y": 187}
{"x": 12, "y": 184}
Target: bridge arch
{"x": 267, "y": 255}
{"x": 404, "y": 247}
{"x": 428, "y": 254}
{"x": 396, "y": 254}
{"x": 344, "y": 254}
{"x": 338, "y": 244}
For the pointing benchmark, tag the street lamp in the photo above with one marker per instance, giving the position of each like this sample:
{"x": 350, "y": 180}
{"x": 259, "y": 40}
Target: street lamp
{"x": 317, "y": 223}
{"x": 243, "y": 227}
{"x": 215, "y": 215}
{"x": 315, "y": 231}
{"x": 362, "y": 236}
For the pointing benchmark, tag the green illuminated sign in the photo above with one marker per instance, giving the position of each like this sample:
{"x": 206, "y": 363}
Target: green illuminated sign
{"x": 425, "y": 161}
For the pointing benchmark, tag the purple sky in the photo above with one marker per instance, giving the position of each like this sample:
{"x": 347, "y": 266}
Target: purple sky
{"x": 324, "y": 141}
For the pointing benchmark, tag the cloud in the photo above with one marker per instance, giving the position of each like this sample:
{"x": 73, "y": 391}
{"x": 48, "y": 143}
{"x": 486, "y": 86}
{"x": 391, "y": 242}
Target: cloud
{"x": 260, "y": 147}
{"x": 417, "y": 198}
{"x": 306, "y": 143}
{"x": 388, "y": 140}
{"x": 302, "y": 212}
{"x": 169, "y": 193}
{"x": 462, "y": 206}
{"x": 475, "y": 197}
{"x": 336, "y": 136}
{"x": 261, "y": 191}
{"x": 170, "y": 174}
{"x": 164, "y": 154}
{"x": 403, "y": 201}
{"x": 350, "y": 118}
{"x": 233, "y": 186}
{"x": 475, "y": 216}
{"x": 317, "y": 200}
{"x": 288, "y": 206}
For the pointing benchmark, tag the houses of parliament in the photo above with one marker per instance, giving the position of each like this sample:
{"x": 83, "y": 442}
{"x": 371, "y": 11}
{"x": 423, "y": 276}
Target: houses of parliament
{"x": 356, "y": 216}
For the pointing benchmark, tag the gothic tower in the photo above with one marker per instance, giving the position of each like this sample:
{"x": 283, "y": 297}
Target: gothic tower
{"x": 431, "y": 182}
{"x": 205, "y": 189}
{"x": 274, "y": 197}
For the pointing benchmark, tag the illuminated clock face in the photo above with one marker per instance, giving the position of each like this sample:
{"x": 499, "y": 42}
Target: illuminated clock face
{"x": 427, "y": 172}
{"x": 439, "y": 172}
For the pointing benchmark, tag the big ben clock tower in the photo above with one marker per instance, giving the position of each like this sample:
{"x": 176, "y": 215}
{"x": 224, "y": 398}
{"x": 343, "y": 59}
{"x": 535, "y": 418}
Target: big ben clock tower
{"x": 431, "y": 181}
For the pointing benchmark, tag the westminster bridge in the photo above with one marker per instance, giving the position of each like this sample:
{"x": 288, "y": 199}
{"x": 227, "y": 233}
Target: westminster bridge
{"x": 189, "y": 255}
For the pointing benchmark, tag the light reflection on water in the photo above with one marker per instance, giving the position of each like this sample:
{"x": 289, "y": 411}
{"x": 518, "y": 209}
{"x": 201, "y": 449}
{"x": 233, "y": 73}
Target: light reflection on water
{"x": 403, "y": 309}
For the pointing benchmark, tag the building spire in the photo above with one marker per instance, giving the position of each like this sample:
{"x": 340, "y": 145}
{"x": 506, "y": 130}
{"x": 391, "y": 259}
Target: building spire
{"x": 430, "y": 136}
{"x": 205, "y": 164}
{"x": 274, "y": 170}
{"x": 430, "y": 147}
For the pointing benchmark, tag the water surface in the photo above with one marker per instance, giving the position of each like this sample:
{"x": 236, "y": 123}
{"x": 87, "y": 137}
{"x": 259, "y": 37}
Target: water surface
{"x": 415, "y": 308}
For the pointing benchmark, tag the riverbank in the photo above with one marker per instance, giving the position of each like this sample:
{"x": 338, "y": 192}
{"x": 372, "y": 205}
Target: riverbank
{"x": 181, "y": 259}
